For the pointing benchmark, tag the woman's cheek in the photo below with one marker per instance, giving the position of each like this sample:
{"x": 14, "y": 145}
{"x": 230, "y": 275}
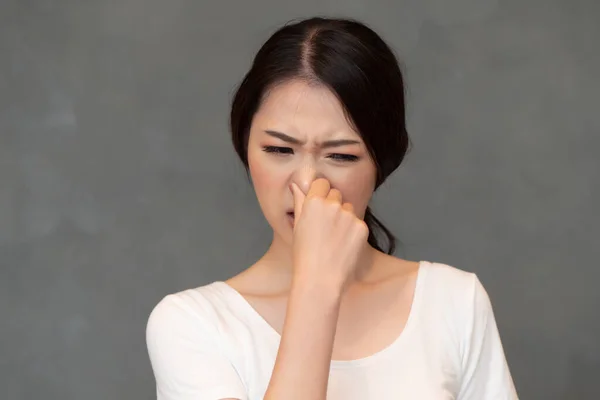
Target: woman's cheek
{"x": 268, "y": 185}
{"x": 258, "y": 165}
{"x": 265, "y": 175}
{"x": 356, "y": 188}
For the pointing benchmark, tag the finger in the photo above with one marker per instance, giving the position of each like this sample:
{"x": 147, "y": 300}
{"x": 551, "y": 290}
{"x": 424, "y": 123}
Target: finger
{"x": 348, "y": 207}
{"x": 334, "y": 196}
{"x": 319, "y": 188}
{"x": 298, "y": 201}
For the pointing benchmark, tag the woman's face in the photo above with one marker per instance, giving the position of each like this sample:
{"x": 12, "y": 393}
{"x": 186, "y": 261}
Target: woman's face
{"x": 300, "y": 133}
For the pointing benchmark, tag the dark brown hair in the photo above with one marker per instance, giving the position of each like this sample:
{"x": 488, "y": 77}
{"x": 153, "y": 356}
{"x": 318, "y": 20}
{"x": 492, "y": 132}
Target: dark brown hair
{"x": 351, "y": 60}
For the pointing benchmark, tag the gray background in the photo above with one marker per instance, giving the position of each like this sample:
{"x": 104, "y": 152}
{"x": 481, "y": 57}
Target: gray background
{"x": 119, "y": 183}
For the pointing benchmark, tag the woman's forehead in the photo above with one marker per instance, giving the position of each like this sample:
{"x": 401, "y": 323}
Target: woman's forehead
{"x": 305, "y": 111}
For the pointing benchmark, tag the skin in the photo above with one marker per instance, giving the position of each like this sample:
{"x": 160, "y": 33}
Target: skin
{"x": 305, "y": 155}
{"x": 312, "y": 116}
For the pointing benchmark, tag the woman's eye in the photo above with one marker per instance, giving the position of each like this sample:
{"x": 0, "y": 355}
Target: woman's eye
{"x": 288, "y": 150}
{"x": 278, "y": 150}
{"x": 343, "y": 157}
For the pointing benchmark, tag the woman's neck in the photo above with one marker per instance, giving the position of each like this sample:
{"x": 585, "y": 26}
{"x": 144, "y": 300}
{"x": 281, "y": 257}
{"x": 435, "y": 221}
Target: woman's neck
{"x": 277, "y": 263}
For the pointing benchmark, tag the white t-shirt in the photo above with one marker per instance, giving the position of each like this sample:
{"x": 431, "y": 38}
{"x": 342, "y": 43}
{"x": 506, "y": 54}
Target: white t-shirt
{"x": 208, "y": 343}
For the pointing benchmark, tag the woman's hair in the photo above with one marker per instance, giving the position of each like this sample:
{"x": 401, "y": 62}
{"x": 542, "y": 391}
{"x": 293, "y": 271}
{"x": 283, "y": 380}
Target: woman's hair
{"x": 354, "y": 63}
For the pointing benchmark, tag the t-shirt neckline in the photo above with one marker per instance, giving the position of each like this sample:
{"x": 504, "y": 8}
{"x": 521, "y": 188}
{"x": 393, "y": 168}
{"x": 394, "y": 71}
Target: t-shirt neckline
{"x": 338, "y": 364}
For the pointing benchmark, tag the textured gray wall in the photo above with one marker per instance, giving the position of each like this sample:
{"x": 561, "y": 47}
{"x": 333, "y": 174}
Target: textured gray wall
{"x": 119, "y": 184}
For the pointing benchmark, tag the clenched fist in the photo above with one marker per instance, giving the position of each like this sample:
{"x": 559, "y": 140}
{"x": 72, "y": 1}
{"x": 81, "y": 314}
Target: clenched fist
{"x": 328, "y": 238}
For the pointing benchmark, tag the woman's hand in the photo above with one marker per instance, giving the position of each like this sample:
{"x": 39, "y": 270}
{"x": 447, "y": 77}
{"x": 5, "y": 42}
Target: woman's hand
{"x": 329, "y": 239}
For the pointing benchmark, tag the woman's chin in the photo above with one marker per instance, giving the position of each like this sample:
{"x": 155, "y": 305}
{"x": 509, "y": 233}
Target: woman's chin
{"x": 285, "y": 232}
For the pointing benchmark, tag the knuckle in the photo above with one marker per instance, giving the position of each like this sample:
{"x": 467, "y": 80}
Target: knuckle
{"x": 312, "y": 199}
{"x": 347, "y": 212}
{"x": 333, "y": 207}
{"x": 317, "y": 203}
{"x": 362, "y": 227}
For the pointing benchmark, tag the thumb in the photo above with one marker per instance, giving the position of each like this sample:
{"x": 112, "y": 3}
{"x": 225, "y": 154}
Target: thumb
{"x": 298, "y": 201}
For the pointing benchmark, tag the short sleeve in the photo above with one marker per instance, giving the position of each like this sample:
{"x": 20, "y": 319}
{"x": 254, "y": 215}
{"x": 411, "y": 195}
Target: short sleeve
{"x": 485, "y": 372}
{"x": 185, "y": 356}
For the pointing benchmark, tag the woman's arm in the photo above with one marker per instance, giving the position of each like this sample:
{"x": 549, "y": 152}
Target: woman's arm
{"x": 485, "y": 370}
{"x": 328, "y": 241}
{"x": 302, "y": 365}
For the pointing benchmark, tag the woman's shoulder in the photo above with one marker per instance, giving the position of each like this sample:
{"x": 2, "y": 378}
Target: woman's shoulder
{"x": 198, "y": 307}
{"x": 447, "y": 275}
{"x": 451, "y": 287}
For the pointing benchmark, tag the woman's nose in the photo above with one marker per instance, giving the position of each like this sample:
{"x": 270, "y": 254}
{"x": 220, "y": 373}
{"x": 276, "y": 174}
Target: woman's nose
{"x": 305, "y": 175}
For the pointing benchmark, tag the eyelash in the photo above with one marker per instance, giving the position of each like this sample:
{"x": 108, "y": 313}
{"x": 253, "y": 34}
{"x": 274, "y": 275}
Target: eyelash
{"x": 287, "y": 150}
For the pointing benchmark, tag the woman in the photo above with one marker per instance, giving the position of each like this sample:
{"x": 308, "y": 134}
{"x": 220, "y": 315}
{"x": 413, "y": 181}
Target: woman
{"x": 327, "y": 312}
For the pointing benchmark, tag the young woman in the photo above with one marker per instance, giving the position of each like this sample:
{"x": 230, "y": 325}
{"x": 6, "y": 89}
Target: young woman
{"x": 327, "y": 312}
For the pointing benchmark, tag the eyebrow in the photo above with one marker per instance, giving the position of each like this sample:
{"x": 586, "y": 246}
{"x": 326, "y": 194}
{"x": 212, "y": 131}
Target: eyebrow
{"x": 325, "y": 144}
